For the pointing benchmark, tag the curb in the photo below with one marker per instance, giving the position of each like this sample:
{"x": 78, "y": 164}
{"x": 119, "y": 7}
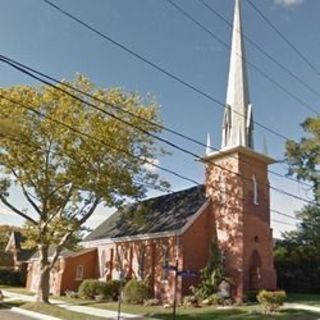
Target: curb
{"x": 36, "y": 315}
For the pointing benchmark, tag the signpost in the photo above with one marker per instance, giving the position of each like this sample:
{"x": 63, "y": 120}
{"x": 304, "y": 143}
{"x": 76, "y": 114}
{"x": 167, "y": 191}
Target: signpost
{"x": 177, "y": 273}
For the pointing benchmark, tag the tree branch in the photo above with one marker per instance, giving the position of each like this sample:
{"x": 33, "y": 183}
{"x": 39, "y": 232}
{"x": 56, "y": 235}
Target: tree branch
{"x": 24, "y": 191}
{"x": 90, "y": 211}
{"x": 17, "y": 211}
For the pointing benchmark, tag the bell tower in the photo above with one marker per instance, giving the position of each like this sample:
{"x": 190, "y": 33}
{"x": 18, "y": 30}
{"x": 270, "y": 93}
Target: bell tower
{"x": 237, "y": 182}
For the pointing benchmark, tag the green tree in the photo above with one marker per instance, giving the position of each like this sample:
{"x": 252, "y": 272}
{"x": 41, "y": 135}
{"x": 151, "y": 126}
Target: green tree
{"x": 297, "y": 255}
{"x": 64, "y": 175}
{"x": 303, "y": 157}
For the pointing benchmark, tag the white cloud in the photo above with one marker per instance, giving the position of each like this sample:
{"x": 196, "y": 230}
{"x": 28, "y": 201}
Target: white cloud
{"x": 288, "y": 3}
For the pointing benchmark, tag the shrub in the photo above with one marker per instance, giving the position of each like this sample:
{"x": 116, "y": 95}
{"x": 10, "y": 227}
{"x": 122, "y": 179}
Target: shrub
{"x": 271, "y": 301}
{"x": 111, "y": 290}
{"x": 151, "y": 302}
{"x": 12, "y": 277}
{"x": 136, "y": 292}
{"x": 71, "y": 294}
{"x": 211, "y": 275}
{"x": 213, "y": 300}
{"x": 190, "y": 301}
{"x": 251, "y": 296}
{"x": 91, "y": 288}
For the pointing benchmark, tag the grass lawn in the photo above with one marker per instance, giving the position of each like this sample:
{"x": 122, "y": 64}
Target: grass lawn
{"x": 20, "y": 290}
{"x": 237, "y": 313}
{"x": 304, "y": 298}
{"x": 206, "y": 313}
{"x": 56, "y": 311}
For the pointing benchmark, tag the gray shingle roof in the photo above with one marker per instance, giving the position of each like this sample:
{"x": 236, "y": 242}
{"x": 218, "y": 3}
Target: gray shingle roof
{"x": 165, "y": 213}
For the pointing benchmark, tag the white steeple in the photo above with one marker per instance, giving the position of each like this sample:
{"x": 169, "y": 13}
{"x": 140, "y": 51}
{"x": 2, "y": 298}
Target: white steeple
{"x": 237, "y": 128}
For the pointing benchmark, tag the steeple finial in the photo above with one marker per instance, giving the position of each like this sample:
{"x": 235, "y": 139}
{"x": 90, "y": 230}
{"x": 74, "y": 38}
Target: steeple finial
{"x": 237, "y": 123}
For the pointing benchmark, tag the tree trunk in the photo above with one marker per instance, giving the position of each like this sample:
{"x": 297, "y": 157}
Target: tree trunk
{"x": 44, "y": 285}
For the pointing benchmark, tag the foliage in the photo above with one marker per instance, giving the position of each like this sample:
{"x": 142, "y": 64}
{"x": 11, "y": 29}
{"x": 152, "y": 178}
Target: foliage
{"x": 151, "y": 302}
{"x": 136, "y": 292}
{"x": 303, "y": 157}
{"x": 250, "y": 296}
{"x": 91, "y": 288}
{"x": 190, "y": 301}
{"x": 11, "y": 277}
{"x": 71, "y": 294}
{"x": 213, "y": 300}
{"x": 211, "y": 275}
{"x": 271, "y": 301}
{"x": 297, "y": 256}
{"x": 67, "y": 158}
{"x": 297, "y": 262}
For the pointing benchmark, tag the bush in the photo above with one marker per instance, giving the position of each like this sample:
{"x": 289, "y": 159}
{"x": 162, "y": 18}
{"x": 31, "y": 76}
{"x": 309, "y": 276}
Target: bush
{"x": 190, "y": 301}
{"x": 136, "y": 292}
{"x": 111, "y": 290}
{"x": 271, "y": 301}
{"x": 71, "y": 294}
{"x": 251, "y": 296}
{"x": 151, "y": 302}
{"x": 91, "y": 288}
{"x": 213, "y": 300}
{"x": 12, "y": 277}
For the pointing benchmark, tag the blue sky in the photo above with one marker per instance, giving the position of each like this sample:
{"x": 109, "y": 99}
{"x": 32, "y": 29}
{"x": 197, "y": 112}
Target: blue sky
{"x": 35, "y": 34}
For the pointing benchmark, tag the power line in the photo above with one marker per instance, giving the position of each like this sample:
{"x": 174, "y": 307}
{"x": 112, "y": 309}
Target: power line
{"x": 36, "y": 147}
{"x": 14, "y": 64}
{"x": 285, "y": 223}
{"x": 254, "y": 66}
{"x": 171, "y": 144}
{"x": 284, "y": 38}
{"x": 79, "y": 132}
{"x": 156, "y": 66}
{"x": 260, "y": 49}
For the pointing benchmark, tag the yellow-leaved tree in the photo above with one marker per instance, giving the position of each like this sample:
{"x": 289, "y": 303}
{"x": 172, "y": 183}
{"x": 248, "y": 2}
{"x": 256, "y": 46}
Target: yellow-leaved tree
{"x": 66, "y": 158}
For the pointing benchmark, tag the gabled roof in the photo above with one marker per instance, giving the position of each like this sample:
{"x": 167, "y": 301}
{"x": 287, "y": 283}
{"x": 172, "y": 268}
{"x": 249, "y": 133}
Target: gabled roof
{"x": 15, "y": 241}
{"x": 162, "y": 214}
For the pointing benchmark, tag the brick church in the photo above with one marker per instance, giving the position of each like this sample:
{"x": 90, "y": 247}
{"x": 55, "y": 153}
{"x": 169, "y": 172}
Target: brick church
{"x": 232, "y": 208}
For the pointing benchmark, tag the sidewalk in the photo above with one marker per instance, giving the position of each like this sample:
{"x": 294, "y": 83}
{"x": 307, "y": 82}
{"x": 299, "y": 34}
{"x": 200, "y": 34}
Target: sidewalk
{"x": 71, "y": 307}
{"x": 299, "y": 306}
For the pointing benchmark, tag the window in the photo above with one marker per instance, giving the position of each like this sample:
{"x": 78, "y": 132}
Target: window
{"x": 255, "y": 190}
{"x": 79, "y": 272}
{"x": 141, "y": 263}
{"x": 166, "y": 262}
{"x": 223, "y": 188}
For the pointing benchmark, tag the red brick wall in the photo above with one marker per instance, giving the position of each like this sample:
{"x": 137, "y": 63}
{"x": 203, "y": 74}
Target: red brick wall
{"x": 195, "y": 244}
{"x": 89, "y": 262}
{"x": 239, "y": 221}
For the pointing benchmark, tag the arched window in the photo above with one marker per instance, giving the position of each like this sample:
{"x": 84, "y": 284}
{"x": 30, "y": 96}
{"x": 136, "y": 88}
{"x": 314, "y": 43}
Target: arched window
{"x": 255, "y": 190}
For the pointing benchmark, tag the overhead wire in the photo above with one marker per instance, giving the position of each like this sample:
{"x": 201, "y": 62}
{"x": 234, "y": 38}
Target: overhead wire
{"x": 80, "y": 133}
{"x": 260, "y": 49}
{"x": 156, "y": 66}
{"x": 284, "y": 38}
{"x": 163, "y": 140}
{"x": 13, "y": 63}
{"x": 254, "y": 66}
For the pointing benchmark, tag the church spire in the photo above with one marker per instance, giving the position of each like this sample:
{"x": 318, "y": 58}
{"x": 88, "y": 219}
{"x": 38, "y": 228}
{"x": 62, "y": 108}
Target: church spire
{"x": 237, "y": 128}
